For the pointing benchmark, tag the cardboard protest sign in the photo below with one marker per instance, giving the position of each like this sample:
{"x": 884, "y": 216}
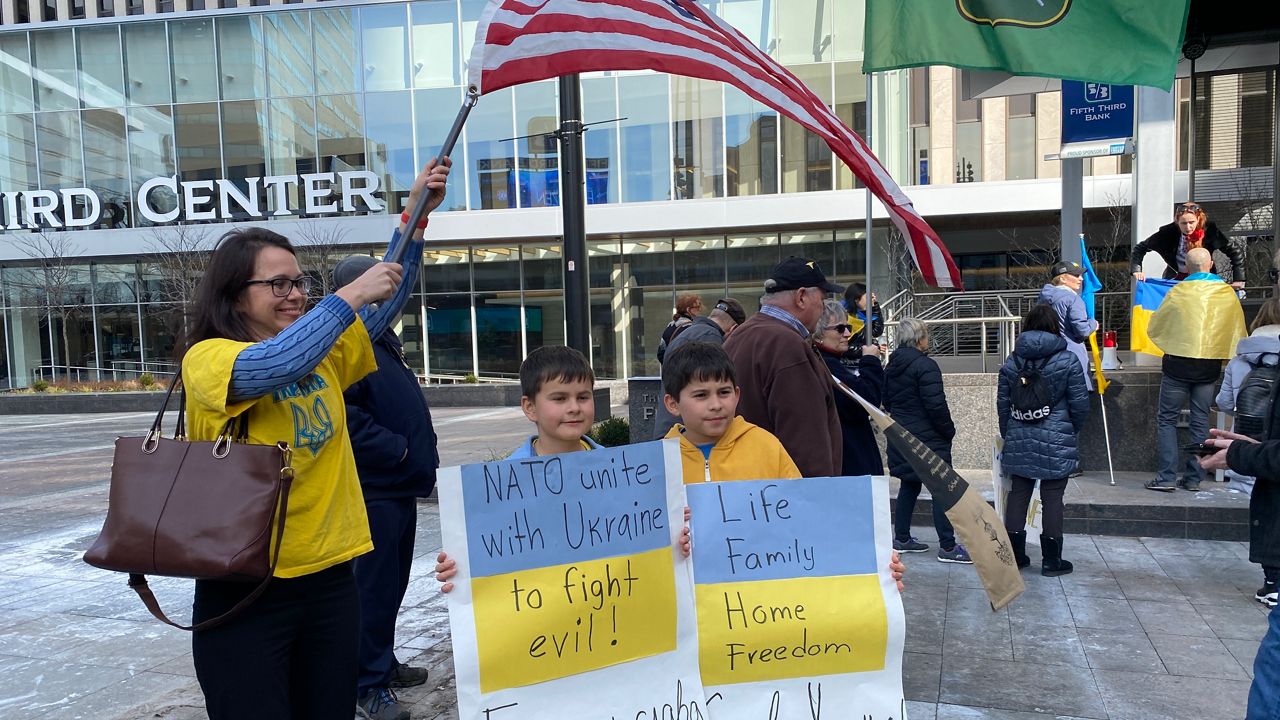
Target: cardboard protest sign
{"x": 569, "y": 587}
{"x": 796, "y": 608}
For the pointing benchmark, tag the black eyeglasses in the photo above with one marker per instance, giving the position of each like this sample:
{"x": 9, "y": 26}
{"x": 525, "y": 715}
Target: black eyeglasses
{"x": 841, "y": 328}
{"x": 1188, "y": 208}
{"x": 281, "y": 287}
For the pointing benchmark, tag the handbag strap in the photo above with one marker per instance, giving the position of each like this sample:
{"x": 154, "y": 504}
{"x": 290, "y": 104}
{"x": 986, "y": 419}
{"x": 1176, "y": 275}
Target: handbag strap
{"x": 139, "y": 582}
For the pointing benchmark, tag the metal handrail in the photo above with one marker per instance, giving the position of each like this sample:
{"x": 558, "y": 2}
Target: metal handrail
{"x": 1006, "y": 326}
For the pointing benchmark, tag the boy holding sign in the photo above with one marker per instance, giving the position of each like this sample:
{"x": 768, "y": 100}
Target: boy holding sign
{"x": 557, "y": 395}
{"x": 716, "y": 443}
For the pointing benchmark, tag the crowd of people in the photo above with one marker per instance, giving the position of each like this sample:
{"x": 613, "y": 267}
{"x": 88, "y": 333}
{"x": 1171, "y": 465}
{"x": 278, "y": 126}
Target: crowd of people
{"x": 744, "y": 397}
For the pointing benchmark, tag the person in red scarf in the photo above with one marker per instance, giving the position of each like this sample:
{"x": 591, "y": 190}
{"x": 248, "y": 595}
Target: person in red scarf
{"x": 1190, "y": 229}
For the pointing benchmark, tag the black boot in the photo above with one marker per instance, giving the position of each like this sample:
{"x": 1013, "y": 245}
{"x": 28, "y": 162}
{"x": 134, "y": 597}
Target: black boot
{"x": 1053, "y": 565}
{"x": 1019, "y": 542}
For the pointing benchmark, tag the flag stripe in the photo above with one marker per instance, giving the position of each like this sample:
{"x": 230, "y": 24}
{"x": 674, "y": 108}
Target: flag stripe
{"x": 521, "y": 41}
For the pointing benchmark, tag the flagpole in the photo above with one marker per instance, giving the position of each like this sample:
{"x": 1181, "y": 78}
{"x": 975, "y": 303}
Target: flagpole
{"x": 420, "y": 207}
{"x": 869, "y": 327}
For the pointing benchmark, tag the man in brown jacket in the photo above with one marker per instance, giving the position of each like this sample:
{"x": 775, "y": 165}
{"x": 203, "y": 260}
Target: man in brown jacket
{"x": 786, "y": 388}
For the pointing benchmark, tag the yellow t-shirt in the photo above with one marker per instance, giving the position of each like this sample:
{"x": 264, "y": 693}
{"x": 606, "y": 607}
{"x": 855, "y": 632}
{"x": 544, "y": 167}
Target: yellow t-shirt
{"x": 326, "y": 524}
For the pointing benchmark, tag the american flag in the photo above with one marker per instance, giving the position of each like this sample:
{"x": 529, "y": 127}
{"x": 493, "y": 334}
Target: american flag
{"x": 520, "y": 41}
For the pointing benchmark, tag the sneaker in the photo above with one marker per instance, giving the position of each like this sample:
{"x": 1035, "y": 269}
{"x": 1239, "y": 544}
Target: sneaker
{"x": 1192, "y": 485}
{"x": 1160, "y": 486}
{"x": 1268, "y": 594}
{"x": 381, "y": 704}
{"x": 956, "y": 554}
{"x": 403, "y": 676}
{"x": 911, "y": 545}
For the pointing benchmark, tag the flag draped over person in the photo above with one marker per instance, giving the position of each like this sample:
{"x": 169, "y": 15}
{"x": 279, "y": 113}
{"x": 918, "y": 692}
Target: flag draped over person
{"x": 520, "y": 41}
{"x": 1050, "y": 38}
{"x": 1199, "y": 319}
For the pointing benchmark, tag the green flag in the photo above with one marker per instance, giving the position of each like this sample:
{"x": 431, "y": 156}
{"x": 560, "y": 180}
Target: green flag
{"x": 1123, "y": 42}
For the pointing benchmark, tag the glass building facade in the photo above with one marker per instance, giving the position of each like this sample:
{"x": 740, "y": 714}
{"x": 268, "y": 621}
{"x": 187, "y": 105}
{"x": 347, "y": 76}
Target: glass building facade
{"x": 223, "y": 99}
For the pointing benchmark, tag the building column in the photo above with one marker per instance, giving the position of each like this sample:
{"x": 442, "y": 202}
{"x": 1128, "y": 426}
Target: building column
{"x": 1154, "y": 164}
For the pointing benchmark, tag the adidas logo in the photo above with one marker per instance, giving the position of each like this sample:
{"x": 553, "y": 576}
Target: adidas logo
{"x": 1031, "y": 415}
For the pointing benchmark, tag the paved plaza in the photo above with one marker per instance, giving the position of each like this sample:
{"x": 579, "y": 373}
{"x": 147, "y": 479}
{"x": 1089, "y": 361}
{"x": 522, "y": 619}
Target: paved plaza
{"x": 1146, "y": 628}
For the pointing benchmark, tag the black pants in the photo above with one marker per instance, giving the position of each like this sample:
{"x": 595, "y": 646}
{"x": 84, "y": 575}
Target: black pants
{"x": 908, "y": 492}
{"x": 1015, "y": 512}
{"x": 290, "y": 654}
{"x": 1270, "y": 573}
{"x": 382, "y": 577}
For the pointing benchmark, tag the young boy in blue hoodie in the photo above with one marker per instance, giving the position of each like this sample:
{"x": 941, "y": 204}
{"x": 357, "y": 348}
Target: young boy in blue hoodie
{"x": 557, "y": 394}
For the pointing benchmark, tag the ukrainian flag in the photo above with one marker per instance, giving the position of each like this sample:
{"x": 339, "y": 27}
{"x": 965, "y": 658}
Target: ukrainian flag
{"x": 1147, "y": 298}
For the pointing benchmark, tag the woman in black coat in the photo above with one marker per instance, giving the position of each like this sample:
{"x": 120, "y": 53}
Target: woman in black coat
{"x": 1190, "y": 229}
{"x": 1040, "y": 445}
{"x": 914, "y": 396}
{"x": 862, "y": 372}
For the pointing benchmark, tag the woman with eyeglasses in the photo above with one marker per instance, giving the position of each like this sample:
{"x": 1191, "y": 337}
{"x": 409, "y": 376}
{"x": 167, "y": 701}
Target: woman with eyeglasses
{"x": 256, "y": 352}
{"x": 1190, "y": 229}
{"x": 863, "y": 373}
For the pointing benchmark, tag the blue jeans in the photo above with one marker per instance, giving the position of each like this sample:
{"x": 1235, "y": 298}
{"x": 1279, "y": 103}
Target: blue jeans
{"x": 1264, "y": 694}
{"x": 1174, "y": 395}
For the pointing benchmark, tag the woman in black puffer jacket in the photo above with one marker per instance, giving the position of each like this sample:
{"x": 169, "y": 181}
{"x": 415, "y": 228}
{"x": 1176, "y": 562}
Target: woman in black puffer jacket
{"x": 914, "y": 396}
{"x": 1041, "y": 448}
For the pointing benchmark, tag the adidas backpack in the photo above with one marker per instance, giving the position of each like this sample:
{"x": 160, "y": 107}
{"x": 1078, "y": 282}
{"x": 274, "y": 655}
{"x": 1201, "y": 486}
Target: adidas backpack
{"x": 1256, "y": 396}
{"x": 1030, "y": 398}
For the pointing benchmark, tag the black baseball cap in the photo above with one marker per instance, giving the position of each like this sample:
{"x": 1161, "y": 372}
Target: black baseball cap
{"x": 1067, "y": 267}
{"x": 797, "y": 272}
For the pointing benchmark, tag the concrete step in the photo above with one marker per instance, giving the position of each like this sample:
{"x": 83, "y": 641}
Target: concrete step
{"x": 1127, "y": 509}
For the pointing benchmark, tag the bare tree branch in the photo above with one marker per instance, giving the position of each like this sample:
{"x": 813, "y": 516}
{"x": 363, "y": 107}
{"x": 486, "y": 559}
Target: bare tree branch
{"x": 57, "y": 283}
{"x": 178, "y": 255}
{"x": 320, "y": 246}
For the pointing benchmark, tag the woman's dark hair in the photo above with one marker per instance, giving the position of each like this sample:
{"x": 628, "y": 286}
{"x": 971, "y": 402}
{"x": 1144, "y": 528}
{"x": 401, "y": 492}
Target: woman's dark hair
{"x": 1043, "y": 318}
{"x": 853, "y": 294}
{"x": 213, "y": 310}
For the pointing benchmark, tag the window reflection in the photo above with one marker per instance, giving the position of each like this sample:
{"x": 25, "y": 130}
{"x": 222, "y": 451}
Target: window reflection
{"x": 751, "y": 145}
{"x": 449, "y": 349}
{"x": 385, "y": 40}
{"x": 646, "y": 137}
{"x": 536, "y": 116}
{"x": 106, "y": 164}
{"x": 244, "y": 153}
{"x": 389, "y": 133}
{"x": 600, "y": 145}
{"x": 804, "y": 32}
{"x": 15, "y": 74}
{"x": 151, "y": 154}
{"x": 434, "y": 111}
{"x": 199, "y": 147}
{"x": 336, "y": 51}
{"x": 101, "y": 67}
{"x": 698, "y": 138}
{"x": 17, "y": 153}
{"x": 146, "y": 63}
{"x": 61, "y": 161}
{"x": 240, "y": 47}
{"x": 195, "y": 78}
{"x": 289, "y": 59}
{"x": 292, "y": 143}
{"x": 435, "y": 44}
{"x": 340, "y": 133}
{"x": 54, "y": 56}
{"x": 806, "y": 158}
{"x": 492, "y": 163}
{"x": 851, "y": 108}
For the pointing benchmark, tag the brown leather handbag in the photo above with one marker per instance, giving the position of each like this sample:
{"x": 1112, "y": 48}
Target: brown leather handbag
{"x": 206, "y": 510}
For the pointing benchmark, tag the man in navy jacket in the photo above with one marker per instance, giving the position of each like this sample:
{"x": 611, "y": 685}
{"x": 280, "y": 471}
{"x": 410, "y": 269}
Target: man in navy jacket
{"x": 395, "y": 451}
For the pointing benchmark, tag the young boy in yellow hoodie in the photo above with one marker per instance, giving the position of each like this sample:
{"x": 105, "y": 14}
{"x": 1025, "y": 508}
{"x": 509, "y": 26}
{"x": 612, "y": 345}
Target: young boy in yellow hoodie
{"x": 715, "y": 444}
